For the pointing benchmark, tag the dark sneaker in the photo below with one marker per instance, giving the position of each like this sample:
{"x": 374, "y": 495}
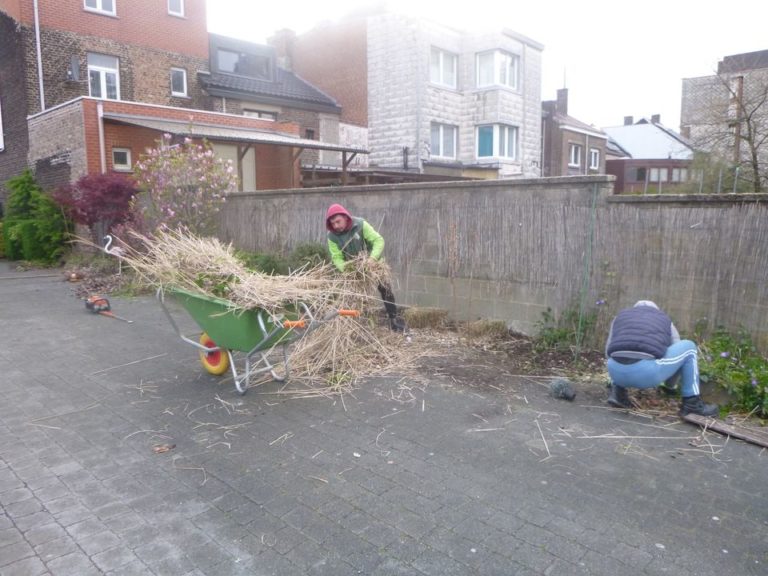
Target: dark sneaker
{"x": 619, "y": 397}
{"x": 695, "y": 405}
{"x": 397, "y": 325}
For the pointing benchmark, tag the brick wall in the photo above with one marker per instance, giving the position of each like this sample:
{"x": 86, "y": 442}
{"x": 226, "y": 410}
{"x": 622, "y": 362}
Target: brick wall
{"x": 333, "y": 59}
{"x": 144, "y": 72}
{"x": 138, "y": 22}
{"x": 14, "y": 103}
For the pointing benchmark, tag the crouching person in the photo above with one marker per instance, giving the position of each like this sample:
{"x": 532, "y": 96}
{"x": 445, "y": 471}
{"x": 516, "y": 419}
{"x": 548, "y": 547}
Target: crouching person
{"x": 644, "y": 350}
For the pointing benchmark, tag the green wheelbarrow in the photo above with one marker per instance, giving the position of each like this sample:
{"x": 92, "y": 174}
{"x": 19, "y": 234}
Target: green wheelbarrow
{"x": 253, "y": 333}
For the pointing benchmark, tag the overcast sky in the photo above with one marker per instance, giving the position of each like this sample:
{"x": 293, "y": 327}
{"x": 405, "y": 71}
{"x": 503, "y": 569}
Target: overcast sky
{"x": 616, "y": 57}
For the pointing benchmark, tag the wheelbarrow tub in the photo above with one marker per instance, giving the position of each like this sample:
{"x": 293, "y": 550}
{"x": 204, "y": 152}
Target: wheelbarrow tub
{"x": 233, "y": 329}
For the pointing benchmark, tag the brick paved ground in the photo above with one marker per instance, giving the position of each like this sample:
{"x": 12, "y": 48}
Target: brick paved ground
{"x": 435, "y": 479}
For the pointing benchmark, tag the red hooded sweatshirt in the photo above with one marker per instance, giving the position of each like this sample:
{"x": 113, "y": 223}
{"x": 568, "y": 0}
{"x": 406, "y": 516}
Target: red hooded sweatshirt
{"x": 333, "y": 211}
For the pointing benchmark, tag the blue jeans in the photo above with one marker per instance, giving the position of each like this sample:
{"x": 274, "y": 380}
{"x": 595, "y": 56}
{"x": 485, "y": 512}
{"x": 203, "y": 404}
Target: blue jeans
{"x": 681, "y": 357}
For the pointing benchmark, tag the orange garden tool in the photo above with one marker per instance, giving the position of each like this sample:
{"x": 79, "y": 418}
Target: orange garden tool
{"x": 100, "y": 305}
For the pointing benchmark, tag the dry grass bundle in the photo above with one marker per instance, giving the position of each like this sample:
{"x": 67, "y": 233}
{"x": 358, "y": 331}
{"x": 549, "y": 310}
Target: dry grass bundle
{"x": 329, "y": 358}
{"x": 487, "y": 329}
{"x": 426, "y": 317}
{"x": 208, "y": 267}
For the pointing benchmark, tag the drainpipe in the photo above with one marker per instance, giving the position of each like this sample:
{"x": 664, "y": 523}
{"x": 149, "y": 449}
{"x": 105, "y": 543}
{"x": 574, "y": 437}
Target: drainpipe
{"x": 102, "y": 146}
{"x": 39, "y": 55}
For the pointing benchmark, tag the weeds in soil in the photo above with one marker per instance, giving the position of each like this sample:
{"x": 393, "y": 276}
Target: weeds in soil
{"x": 732, "y": 362}
{"x": 564, "y": 332}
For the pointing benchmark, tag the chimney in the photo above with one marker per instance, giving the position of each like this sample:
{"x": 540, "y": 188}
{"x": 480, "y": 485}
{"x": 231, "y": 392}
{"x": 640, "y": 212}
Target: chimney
{"x": 656, "y": 119}
{"x": 628, "y": 120}
{"x": 562, "y": 101}
{"x": 282, "y": 41}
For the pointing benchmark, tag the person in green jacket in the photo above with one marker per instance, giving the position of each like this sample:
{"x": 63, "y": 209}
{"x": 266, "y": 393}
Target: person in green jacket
{"x": 349, "y": 236}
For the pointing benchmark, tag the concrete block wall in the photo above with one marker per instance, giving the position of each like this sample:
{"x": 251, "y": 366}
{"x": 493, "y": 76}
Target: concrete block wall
{"x": 511, "y": 249}
{"x": 56, "y": 137}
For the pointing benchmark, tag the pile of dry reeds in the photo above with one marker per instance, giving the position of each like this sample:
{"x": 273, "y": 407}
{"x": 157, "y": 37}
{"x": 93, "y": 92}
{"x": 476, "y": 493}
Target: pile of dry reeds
{"x": 333, "y": 355}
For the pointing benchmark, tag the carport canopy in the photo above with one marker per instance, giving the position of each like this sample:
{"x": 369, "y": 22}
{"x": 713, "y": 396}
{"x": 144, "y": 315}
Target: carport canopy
{"x": 230, "y": 134}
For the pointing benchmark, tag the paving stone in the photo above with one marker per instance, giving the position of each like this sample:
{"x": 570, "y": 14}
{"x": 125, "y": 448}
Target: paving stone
{"x": 52, "y": 549}
{"x": 30, "y": 566}
{"x": 114, "y": 558}
{"x": 46, "y": 533}
{"x": 73, "y": 564}
{"x": 14, "y": 551}
{"x": 15, "y": 495}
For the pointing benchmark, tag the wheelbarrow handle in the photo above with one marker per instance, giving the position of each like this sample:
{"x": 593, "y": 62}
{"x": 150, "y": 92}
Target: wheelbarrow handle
{"x": 294, "y": 324}
{"x": 351, "y": 313}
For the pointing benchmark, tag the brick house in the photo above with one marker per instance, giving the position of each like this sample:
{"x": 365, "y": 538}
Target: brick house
{"x": 87, "y": 85}
{"x": 569, "y": 147}
{"x": 425, "y": 98}
{"x": 647, "y": 157}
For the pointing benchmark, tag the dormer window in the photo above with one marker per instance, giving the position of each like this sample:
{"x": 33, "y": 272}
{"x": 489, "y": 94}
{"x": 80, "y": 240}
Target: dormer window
{"x": 244, "y": 64}
{"x": 241, "y": 58}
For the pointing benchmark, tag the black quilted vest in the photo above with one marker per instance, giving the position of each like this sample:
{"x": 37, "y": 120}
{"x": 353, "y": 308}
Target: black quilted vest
{"x": 641, "y": 329}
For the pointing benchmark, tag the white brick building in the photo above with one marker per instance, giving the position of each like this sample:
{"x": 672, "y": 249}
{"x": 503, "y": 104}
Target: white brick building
{"x": 433, "y": 99}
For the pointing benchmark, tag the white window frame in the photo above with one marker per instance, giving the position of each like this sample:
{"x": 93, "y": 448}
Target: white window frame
{"x": 2, "y": 136}
{"x": 270, "y": 115}
{"x": 574, "y": 155}
{"x": 659, "y": 175}
{"x": 505, "y": 69}
{"x": 505, "y": 136}
{"x": 443, "y": 67}
{"x": 185, "y": 92}
{"x": 437, "y": 145}
{"x": 123, "y": 166}
{"x": 180, "y": 11}
{"x": 98, "y": 6}
{"x": 594, "y": 159}
{"x": 103, "y": 71}
{"x": 679, "y": 174}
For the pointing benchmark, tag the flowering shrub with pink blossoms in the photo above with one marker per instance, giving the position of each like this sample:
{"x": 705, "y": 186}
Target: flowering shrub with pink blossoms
{"x": 183, "y": 186}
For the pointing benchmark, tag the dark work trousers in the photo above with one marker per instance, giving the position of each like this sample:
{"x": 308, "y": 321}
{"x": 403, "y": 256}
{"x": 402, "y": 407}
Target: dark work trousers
{"x": 389, "y": 300}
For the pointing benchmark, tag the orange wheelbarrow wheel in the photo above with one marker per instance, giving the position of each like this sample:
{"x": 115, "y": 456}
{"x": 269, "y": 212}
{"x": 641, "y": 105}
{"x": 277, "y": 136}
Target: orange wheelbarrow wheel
{"x": 215, "y": 362}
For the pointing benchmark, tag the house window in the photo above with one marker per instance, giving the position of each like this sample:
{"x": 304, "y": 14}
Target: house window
{"x": 658, "y": 175}
{"x": 442, "y": 67}
{"x": 244, "y": 64}
{"x": 497, "y": 140}
{"x": 263, "y": 114}
{"x": 497, "y": 68}
{"x": 679, "y": 174}
{"x": 443, "y": 140}
{"x": 2, "y": 138}
{"x": 178, "y": 82}
{"x": 103, "y": 6}
{"x": 640, "y": 175}
{"x": 176, "y": 7}
{"x": 309, "y": 134}
{"x": 121, "y": 159}
{"x": 594, "y": 159}
{"x": 574, "y": 155}
{"x": 103, "y": 76}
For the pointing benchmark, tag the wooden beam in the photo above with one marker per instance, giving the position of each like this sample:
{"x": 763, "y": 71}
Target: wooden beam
{"x": 741, "y": 432}
{"x": 241, "y": 152}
